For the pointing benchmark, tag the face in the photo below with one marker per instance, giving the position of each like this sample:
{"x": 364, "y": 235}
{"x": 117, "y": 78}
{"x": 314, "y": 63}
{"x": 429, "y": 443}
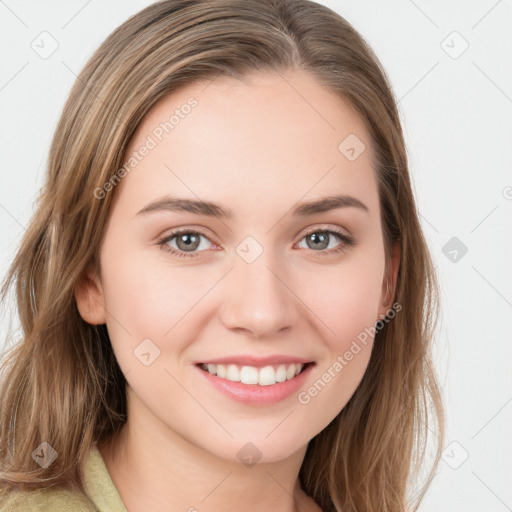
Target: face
{"x": 257, "y": 285}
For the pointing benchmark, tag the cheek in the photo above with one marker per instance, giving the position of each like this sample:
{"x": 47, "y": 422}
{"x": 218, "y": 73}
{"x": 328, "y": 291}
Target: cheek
{"x": 346, "y": 304}
{"x": 350, "y": 316}
{"x": 345, "y": 299}
{"x": 150, "y": 299}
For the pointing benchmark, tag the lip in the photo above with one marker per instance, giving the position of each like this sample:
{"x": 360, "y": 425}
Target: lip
{"x": 254, "y": 394}
{"x": 257, "y": 362}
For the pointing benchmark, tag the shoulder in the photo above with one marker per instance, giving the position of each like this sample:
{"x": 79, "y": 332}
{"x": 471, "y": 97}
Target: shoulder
{"x": 55, "y": 499}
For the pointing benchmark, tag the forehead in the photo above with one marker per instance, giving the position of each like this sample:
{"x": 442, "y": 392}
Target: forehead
{"x": 268, "y": 137}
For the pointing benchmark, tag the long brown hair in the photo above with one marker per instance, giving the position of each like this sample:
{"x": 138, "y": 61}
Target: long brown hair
{"x": 61, "y": 383}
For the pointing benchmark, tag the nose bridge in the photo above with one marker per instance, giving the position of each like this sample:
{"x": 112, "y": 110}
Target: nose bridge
{"x": 257, "y": 297}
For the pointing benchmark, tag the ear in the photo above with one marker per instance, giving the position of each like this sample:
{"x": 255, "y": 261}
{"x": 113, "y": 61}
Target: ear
{"x": 90, "y": 298}
{"x": 389, "y": 282}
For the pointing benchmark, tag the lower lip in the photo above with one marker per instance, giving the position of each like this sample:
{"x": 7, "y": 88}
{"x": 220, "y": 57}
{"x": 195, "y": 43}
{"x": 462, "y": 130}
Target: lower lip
{"x": 254, "y": 394}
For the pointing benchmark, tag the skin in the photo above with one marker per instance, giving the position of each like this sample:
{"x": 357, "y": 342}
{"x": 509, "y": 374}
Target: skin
{"x": 257, "y": 147}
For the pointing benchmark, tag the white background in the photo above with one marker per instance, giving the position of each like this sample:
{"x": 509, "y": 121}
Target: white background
{"x": 457, "y": 119}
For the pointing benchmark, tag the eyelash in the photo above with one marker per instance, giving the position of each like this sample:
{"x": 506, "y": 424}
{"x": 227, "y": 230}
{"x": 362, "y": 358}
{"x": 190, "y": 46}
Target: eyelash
{"x": 347, "y": 241}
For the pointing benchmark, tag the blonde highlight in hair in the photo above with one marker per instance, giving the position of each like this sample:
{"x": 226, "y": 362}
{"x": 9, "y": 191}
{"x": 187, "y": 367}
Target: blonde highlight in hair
{"x": 61, "y": 383}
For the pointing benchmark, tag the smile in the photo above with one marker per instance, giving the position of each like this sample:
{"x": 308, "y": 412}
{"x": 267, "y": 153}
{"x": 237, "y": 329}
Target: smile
{"x": 265, "y": 376}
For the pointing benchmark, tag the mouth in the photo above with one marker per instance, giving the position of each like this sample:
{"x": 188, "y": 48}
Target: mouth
{"x": 268, "y": 375}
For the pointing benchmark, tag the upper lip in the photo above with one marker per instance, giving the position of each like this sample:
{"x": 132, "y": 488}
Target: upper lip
{"x": 245, "y": 360}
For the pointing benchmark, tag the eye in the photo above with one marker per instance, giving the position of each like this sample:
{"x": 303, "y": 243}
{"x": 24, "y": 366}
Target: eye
{"x": 319, "y": 240}
{"x": 187, "y": 241}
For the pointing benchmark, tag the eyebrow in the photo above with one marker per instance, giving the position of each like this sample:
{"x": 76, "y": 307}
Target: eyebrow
{"x": 176, "y": 204}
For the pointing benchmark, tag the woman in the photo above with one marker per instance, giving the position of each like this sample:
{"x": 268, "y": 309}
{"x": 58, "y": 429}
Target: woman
{"x": 225, "y": 293}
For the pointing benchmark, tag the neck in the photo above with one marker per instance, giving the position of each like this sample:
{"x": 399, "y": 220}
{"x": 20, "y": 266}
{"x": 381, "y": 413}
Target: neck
{"x": 157, "y": 469}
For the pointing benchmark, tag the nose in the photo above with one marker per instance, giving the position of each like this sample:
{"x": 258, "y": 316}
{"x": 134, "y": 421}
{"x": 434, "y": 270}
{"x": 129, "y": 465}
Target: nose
{"x": 258, "y": 298}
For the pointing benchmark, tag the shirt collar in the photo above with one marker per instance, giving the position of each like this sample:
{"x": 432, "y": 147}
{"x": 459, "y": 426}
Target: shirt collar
{"x": 99, "y": 485}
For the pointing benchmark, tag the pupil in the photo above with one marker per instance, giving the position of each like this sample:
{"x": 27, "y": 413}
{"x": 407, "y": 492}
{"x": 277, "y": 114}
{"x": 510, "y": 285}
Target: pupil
{"x": 318, "y": 238}
{"x": 189, "y": 240}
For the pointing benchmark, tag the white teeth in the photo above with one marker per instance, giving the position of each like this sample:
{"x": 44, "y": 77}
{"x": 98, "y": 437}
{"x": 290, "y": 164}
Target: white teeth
{"x": 281, "y": 373}
{"x": 233, "y": 373}
{"x": 221, "y": 371}
{"x": 249, "y": 375}
{"x": 265, "y": 376}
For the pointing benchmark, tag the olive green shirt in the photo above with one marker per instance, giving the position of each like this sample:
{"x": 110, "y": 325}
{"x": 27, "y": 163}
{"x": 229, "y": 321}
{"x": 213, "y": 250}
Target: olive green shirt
{"x": 101, "y": 492}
